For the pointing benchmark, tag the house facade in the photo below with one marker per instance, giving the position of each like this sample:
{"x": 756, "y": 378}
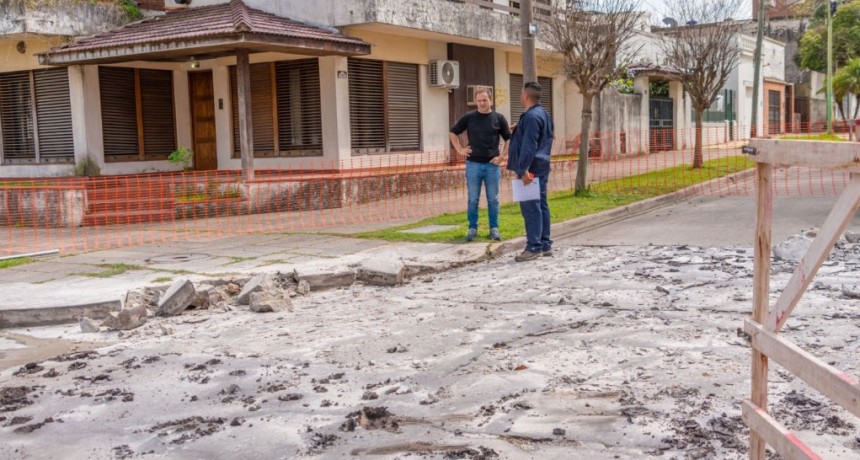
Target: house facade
{"x": 355, "y": 83}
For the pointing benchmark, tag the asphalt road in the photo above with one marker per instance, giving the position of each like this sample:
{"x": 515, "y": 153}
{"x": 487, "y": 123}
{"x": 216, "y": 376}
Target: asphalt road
{"x": 711, "y": 221}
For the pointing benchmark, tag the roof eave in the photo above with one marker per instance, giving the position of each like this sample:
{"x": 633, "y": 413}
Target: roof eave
{"x": 165, "y": 50}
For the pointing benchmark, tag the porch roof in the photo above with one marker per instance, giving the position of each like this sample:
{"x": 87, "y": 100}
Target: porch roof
{"x": 653, "y": 70}
{"x": 205, "y": 32}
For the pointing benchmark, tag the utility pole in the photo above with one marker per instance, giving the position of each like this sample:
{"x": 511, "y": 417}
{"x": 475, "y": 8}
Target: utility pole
{"x": 528, "y": 30}
{"x": 830, "y": 67}
{"x": 759, "y": 38}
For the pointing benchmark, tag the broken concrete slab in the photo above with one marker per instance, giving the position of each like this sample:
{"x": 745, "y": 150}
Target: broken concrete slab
{"x": 303, "y": 287}
{"x": 258, "y": 283}
{"x": 204, "y": 296}
{"x": 381, "y": 271}
{"x": 270, "y": 301}
{"x": 319, "y": 278}
{"x": 177, "y": 298}
{"x": 88, "y": 325}
{"x": 126, "y": 320}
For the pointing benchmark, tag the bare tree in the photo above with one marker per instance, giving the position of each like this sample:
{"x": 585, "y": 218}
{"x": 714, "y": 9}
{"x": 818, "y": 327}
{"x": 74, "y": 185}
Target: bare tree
{"x": 704, "y": 51}
{"x": 594, "y": 38}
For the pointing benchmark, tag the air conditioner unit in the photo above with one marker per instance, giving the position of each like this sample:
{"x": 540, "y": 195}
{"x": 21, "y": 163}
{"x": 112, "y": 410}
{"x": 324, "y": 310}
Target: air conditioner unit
{"x": 176, "y": 4}
{"x": 445, "y": 74}
{"x": 472, "y": 89}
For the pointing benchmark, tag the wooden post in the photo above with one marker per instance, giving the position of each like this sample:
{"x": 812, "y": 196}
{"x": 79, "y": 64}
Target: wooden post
{"x": 761, "y": 293}
{"x": 246, "y": 132}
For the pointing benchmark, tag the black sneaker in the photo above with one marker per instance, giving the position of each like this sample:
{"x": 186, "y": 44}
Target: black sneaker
{"x": 526, "y": 256}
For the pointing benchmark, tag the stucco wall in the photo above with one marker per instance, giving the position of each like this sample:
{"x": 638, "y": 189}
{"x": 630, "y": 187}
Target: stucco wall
{"x": 59, "y": 17}
{"x": 11, "y": 60}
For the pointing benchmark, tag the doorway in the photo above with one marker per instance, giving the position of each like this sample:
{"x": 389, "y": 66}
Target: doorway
{"x": 203, "y": 120}
{"x": 661, "y": 124}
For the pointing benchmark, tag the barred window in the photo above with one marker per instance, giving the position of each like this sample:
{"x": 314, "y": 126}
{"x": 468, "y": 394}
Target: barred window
{"x": 36, "y": 117}
{"x": 138, "y": 120}
{"x": 384, "y": 106}
{"x": 286, "y": 112}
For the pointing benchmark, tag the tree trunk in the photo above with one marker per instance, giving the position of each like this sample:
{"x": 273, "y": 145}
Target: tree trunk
{"x": 584, "y": 144}
{"x": 697, "y": 151}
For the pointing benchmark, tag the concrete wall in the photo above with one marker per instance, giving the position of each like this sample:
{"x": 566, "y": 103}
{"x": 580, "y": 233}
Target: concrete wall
{"x": 619, "y": 113}
{"x": 59, "y": 17}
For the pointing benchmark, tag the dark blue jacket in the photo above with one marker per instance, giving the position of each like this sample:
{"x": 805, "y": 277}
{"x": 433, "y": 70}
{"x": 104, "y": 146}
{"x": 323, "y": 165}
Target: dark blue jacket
{"x": 531, "y": 143}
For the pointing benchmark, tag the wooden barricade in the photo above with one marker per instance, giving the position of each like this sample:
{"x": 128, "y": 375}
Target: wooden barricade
{"x": 763, "y": 328}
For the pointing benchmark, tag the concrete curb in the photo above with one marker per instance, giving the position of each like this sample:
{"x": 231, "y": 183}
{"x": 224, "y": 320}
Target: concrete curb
{"x": 30, "y": 317}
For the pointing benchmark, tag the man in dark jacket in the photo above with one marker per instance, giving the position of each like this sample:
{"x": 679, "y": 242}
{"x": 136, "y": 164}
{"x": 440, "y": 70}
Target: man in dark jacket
{"x": 530, "y": 148}
{"x": 483, "y": 159}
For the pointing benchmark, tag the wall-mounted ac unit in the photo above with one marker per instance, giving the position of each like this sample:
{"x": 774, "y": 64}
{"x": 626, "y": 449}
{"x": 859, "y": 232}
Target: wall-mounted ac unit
{"x": 472, "y": 89}
{"x": 176, "y": 4}
{"x": 445, "y": 74}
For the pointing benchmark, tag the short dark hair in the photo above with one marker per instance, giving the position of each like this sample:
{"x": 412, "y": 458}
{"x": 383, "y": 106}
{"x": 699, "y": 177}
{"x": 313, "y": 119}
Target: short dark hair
{"x": 532, "y": 90}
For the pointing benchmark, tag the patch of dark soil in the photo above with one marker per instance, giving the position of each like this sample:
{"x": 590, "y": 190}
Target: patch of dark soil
{"x": 123, "y": 452}
{"x": 95, "y": 378}
{"x": 188, "y": 428}
{"x": 77, "y": 356}
{"x": 371, "y": 418}
{"x": 320, "y": 442}
{"x": 77, "y": 365}
{"x": 290, "y": 397}
{"x": 29, "y": 428}
{"x": 51, "y": 374}
{"x": 14, "y": 398}
{"x": 19, "y": 420}
{"x": 481, "y": 453}
{"x": 115, "y": 393}
{"x": 800, "y": 412}
{"x": 238, "y": 373}
{"x": 274, "y": 388}
{"x": 151, "y": 359}
{"x": 29, "y": 368}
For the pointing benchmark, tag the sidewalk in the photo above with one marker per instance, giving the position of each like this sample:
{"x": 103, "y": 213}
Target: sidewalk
{"x": 61, "y": 288}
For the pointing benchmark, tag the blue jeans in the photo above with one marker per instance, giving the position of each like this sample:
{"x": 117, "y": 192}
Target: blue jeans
{"x": 489, "y": 174}
{"x": 536, "y": 217}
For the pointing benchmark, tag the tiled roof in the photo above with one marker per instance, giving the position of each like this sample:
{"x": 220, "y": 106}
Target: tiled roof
{"x": 223, "y": 20}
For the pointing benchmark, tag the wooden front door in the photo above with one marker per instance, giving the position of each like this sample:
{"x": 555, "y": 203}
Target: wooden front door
{"x": 203, "y": 120}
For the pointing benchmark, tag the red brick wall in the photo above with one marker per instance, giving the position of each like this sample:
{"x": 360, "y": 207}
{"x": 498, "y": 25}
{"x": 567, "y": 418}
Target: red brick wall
{"x": 781, "y": 10}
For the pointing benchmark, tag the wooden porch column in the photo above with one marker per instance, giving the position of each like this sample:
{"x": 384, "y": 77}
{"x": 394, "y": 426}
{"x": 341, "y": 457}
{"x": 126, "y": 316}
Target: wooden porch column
{"x": 246, "y": 132}
{"x": 761, "y": 293}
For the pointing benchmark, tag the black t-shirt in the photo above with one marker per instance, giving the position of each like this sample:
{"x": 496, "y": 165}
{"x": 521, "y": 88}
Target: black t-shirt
{"x": 484, "y": 130}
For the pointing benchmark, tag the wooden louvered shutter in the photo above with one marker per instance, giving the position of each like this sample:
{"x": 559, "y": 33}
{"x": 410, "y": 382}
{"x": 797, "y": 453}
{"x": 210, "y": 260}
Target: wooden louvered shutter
{"x": 119, "y": 113}
{"x": 366, "y": 106}
{"x": 16, "y": 118}
{"x": 156, "y": 99}
{"x": 517, "y": 87}
{"x": 404, "y": 111}
{"x": 54, "y": 115}
{"x": 262, "y": 108}
{"x": 299, "y": 110}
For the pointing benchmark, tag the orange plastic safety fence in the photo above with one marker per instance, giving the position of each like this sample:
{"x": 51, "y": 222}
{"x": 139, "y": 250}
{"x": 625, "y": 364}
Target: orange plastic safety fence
{"x": 363, "y": 192}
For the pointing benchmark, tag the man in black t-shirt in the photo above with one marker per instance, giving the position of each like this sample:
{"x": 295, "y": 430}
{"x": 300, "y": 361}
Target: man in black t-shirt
{"x": 484, "y": 127}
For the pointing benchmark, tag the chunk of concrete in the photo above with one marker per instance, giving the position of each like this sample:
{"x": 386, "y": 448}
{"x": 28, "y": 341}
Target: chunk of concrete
{"x": 852, "y": 237}
{"x": 319, "y": 278}
{"x": 126, "y": 320}
{"x": 256, "y": 284}
{"x": 177, "y": 298}
{"x": 269, "y": 301}
{"x": 303, "y": 288}
{"x": 203, "y": 296}
{"x": 88, "y": 325}
{"x": 381, "y": 271}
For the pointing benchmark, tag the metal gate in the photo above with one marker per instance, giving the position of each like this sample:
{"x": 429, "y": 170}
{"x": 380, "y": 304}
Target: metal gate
{"x": 661, "y": 124}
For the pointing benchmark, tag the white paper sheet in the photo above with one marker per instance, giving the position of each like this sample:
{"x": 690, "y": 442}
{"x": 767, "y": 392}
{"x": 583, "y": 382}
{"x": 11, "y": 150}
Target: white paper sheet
{"x": 525, "y": 192}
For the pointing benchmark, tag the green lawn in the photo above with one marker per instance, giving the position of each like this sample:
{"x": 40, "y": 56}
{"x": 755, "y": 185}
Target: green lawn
{"x": 565, "y": 206}
{"x": 816, "y": 137}
{"x": 9, "y": 263}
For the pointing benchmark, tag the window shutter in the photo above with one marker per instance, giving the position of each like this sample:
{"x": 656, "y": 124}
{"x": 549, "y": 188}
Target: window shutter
{"x": 299, "y": 109}
{"x": 156, "y": 99}
{"x": 54, "y": 112}
{"x": 517, "y": 86}
{"x": 261, "y": 109}
{"x": 119, "y": 113}
{"x": 404, "y": 111}
{"x": 366, "y": 105}
{"x": 16, "y": 118}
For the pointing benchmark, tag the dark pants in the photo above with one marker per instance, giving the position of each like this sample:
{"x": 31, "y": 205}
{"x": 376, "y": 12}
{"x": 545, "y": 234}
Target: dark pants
{"x": 536, "y": 217}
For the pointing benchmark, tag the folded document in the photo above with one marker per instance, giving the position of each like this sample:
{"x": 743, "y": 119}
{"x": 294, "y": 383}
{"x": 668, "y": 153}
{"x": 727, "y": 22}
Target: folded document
{"x": 525, "y": 192}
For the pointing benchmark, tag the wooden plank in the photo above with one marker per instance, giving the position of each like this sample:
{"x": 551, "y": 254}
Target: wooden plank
{"x": 843, "y": 156}
{"x": 246, "y": 132}
{"x": 841, "y": 388}
{"x": 761, "y": 292}
{"x": 838, "y": 219}
{"x": 783, "y": 441}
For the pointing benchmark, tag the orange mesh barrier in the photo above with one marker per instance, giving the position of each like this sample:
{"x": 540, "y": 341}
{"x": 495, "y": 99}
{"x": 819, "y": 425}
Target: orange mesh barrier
{"x": 367, "y": 192}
